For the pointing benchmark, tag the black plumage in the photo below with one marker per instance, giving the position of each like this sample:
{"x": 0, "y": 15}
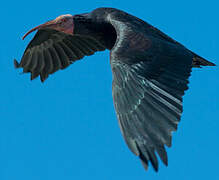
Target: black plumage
{"x": 150, "y": 73}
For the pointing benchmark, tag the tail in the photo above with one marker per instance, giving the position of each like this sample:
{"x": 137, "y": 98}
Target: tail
{"x": 198, "y": 61}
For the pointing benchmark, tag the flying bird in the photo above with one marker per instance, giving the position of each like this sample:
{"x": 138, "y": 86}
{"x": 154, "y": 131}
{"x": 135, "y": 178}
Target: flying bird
{"x": 150, "y": 71}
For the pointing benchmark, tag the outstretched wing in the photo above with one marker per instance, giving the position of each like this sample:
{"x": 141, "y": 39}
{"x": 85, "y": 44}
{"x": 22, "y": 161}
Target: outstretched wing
{"x": 150, "y": 76}
{"x": 51, "y": 50}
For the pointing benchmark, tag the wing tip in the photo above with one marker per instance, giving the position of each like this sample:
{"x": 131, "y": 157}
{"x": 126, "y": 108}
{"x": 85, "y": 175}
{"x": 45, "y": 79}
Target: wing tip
{"x": 16, "y": 64}
{"x": 144, "y": 164}
{"x": 34, "y": 75}
{"x": 162, "y": 154}
{"x": 43, "y": 77}
{"x": 150, "y": 156}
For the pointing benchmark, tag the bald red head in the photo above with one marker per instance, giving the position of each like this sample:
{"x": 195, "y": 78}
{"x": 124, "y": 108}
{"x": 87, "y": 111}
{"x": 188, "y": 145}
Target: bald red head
{"x": 62, "y": 23}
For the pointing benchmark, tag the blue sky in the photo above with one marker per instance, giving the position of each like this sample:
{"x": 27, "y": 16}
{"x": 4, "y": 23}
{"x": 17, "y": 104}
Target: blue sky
{"x": 66, "y": 128}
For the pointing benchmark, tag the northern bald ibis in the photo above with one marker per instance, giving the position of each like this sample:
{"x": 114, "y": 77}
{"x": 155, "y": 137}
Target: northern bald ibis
{"x": 150, "y": 71}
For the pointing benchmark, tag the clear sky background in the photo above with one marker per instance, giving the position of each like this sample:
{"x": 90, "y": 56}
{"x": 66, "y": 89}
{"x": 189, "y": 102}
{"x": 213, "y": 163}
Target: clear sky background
{"x": 66, "y": 128}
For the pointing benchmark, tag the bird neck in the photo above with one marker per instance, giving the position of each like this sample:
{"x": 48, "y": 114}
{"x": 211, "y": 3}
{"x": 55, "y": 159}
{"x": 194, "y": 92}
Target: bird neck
{"x": 100, "y": 30}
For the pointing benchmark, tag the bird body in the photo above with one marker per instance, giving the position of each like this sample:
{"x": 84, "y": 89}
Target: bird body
{"x": 150, "y": 71}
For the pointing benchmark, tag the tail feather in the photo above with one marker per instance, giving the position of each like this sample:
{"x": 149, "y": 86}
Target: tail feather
{"x": 198, "y": 61}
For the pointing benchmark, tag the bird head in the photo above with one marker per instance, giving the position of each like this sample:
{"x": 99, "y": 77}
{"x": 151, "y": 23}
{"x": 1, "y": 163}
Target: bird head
{"x": 62, "y": 23}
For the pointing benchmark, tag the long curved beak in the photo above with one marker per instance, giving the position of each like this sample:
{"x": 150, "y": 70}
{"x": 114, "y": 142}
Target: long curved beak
{"x": 45, "y": 25}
